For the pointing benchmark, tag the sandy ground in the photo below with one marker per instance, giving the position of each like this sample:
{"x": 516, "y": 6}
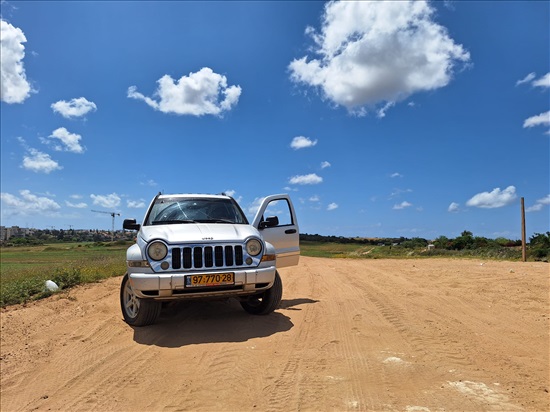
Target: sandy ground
{"x": 350, "y": 335}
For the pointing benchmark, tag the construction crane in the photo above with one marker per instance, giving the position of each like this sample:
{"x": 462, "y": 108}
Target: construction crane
{"x": 113, "y": 214}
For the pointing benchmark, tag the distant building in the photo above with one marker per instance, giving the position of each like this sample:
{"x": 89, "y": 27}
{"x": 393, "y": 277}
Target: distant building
{"x": 7, "y": 233}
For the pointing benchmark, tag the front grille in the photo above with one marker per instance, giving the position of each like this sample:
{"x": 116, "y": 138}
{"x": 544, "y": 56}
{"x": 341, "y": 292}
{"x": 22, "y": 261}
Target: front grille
{"x": 198, "y": 257}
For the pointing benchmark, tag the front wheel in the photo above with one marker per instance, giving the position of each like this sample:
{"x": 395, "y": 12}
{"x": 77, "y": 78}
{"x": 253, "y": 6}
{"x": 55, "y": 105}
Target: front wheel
{"x": 136, "y": 311}
{"x": 265, "y": 302}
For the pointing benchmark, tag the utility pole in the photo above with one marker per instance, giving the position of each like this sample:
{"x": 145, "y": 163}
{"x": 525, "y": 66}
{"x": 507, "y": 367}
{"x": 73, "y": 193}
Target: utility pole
{"x": 523, "y": 246}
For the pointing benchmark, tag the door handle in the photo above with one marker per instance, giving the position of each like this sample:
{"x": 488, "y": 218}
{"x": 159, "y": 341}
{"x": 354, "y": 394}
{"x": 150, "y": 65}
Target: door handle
{"x": 290, "y": 231}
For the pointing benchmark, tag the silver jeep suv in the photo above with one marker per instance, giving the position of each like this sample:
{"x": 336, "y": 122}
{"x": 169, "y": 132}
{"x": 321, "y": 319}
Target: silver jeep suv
{"x": 195, "y": 246}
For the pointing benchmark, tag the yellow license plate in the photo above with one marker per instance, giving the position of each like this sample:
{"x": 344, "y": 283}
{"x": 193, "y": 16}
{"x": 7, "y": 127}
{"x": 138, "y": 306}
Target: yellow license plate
{"x": 216, "y": 279}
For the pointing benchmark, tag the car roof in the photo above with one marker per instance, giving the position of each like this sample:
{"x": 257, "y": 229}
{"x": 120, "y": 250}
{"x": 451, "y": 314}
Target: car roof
{"x": 193, "y": 196}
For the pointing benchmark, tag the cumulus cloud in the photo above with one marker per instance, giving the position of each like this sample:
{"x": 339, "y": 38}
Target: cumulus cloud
{"x": 108, "y": 201}
{"x": 39, "y": 162}
{"x": 70, "y": 142}
{"x": 542, "y": 119}
{"x": 402, "y": 205}
{"x": 74, "y": 108}
{"x": 377, "y": 53}
{"x": 495, "y": 198}
{"x": 301, "y": 142}
{"x": 135, "y": 204}
{"x": 14, "y": 87}
{"x": 325, "y": 164}
{"x": 453, "y": 207}
{"x": 544, "y": 81}
{"x": 539, "y": 205}
{"x": 80, "y": 205}
{"x": 28, "y": 204}
{"x": 396, "y": 175}
{"x": 198, "y": 94}
{"x": 332, "y": 206}
{"x": 310, "y": 179}
{"x": 253, "y": 207}
{"x": 314, "y": 198}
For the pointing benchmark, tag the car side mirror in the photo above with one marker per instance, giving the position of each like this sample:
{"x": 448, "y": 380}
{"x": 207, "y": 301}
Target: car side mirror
{"x": 270, "y": 221}
{"x": 131, "y": 224}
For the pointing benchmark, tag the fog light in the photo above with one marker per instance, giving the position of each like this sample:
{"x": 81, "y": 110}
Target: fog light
{"x": 165, "y": 265}
{"x": 248, "y": 260}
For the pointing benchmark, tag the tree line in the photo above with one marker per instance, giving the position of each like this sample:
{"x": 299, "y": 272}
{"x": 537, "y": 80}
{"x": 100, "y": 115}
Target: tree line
{"x": 539, "y": 243}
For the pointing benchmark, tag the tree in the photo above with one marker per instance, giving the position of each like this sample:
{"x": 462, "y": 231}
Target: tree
{"x": 539, "y": 245}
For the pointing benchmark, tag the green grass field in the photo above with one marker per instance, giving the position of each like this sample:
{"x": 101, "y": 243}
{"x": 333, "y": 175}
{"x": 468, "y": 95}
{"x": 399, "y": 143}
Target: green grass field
{"x": 24, "y": 270}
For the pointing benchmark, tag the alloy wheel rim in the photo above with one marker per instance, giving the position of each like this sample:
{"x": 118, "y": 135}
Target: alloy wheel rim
{"x": 131, "y": 301}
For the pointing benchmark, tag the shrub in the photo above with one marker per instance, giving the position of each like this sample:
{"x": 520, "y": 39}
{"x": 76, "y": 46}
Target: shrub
{"x": 66, "y": 278}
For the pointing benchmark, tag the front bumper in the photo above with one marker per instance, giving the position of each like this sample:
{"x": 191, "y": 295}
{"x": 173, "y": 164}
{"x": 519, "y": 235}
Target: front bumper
{"x": 171, "y": 286}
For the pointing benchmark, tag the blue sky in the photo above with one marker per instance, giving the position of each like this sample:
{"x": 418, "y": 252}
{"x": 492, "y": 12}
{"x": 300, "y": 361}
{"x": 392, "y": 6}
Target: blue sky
{"x": 379, "y": 119}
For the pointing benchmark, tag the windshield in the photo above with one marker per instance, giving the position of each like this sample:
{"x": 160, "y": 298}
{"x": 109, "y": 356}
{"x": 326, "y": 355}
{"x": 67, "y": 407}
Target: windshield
{"x": 186, "y": 210}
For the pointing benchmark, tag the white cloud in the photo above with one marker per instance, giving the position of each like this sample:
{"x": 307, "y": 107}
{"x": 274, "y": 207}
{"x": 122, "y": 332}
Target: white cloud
{"x": 28, "y": 204}
{"x": 198, "y": 94}
{"x": 372, "y": 53}
{"x": 39, "y": 162}
{"x": 402, "y": 205}
{"x": 398, "y": 192}
{"x": 381, "y": 113}
{"x": 396, "y": 175}
{"x": 80, "y": 205}
{"x": 453, "y": 207}
{"x": 526, "y": 79}
{"x": 108, "y": 201}
{"x": 544, "y": 81}
{"x": 314, "y": 198}
{"x": 310, "y": 179}
{"x": 495, "y": 198}
{"x": 332, "y": 206}
{"x": 74, "y": 108}
{"x": 542, "y": 119}
{"x": 149, "y": 182}
{"x": 254, "y": 206}
{"x": 14, "y": 87}
{"x": 135, "y": 204}
{"x": 325, "y": 164}
{"x": 301, "y": 142}
{"x": 539, "y": 205}
{"x": 70, "y": 141}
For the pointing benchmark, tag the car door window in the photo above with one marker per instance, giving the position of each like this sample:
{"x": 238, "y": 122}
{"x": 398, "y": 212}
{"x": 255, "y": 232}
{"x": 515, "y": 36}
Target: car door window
{"x": 280, "y": 209}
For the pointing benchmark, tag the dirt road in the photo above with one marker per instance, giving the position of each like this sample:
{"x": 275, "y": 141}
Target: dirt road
{"x": 350, "y": 335}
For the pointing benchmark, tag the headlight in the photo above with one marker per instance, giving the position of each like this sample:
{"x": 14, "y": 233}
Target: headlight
{"x": 157, "y": 250}
{"x": 253, "y": 247}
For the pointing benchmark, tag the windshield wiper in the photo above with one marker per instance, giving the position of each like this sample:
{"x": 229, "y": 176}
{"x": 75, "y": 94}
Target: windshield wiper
{"x": 215, "y": 221}
{"x": 173, "y": 221}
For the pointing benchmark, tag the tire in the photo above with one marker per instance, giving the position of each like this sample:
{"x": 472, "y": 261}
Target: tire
{"x": 265, "y": 302}
{"x": 136, "y": 311}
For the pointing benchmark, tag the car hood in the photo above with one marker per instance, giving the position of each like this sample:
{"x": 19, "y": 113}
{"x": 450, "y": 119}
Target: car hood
{"x": 198, "y": 232}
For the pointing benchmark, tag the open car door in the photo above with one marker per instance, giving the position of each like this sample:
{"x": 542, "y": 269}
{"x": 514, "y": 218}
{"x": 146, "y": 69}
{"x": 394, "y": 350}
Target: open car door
{"x": 276, "y": 221}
